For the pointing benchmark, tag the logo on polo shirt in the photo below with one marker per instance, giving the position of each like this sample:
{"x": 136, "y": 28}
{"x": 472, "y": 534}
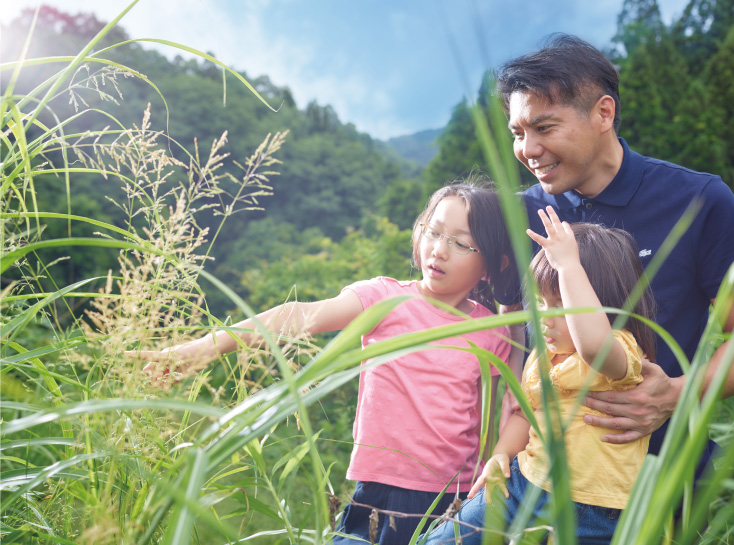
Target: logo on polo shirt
{"x": 645, "y": 253}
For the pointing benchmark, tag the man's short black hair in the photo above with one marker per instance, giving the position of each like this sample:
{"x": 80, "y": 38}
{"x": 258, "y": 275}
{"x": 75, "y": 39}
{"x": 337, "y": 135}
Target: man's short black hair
{"x": 566, "y": 69}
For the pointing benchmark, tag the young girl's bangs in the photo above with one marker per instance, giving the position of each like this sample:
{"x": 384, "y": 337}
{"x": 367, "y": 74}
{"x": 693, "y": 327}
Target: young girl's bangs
{"x": 545, "y": 276}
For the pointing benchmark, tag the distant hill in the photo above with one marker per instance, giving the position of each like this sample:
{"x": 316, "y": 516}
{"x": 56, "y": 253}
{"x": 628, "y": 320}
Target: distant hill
{"x": 420, "y": 147}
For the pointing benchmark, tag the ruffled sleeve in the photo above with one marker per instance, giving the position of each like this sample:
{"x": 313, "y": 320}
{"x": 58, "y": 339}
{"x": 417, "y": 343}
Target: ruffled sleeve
{"x": 531, "y": 380}
{"x": 573, "y": 373}
{"x": 634, "y": 362}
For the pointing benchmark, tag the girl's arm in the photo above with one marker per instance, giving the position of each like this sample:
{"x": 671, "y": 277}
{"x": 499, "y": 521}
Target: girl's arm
{"x": 515, "y": 436}
{"x": 289, "y": 319}
{"x": 513, "y": 439}
{"x": 589, "y": 332}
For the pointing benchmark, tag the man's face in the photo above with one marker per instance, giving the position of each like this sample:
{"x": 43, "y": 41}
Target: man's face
{"x": 559, "y": 144}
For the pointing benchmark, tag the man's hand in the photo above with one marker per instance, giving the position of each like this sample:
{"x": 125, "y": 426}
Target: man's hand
{"x": 639, "y": 411}
{"x": 495, "y": 473}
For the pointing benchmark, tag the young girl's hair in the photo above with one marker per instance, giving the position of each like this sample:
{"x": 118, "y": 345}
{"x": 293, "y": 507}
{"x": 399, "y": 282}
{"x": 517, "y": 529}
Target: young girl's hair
{"x": 487, "y": 226}
{"x": 610, "y": 258}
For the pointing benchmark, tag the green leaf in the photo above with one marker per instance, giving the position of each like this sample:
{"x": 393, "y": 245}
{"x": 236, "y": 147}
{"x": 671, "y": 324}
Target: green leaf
{"x": 253, "y": 504}
{"x": 292, "y": 460}
{"x": 10, "y": 258}
{"x": 422, "y": 523}
{"x": 16, "y": 325}
{"x": 180, "y": 527}
{"x": 105, "y": 405}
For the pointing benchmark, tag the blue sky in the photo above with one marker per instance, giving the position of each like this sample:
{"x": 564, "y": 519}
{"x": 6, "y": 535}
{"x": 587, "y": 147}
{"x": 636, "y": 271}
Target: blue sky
{"x": 391, "y": 67}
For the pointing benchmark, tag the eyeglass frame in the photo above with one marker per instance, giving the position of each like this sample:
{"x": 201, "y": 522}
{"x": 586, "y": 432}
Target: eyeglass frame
{"x": 449, "y": 240}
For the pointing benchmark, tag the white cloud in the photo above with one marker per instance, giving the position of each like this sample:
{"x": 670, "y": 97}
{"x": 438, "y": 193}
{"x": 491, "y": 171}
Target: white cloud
{"x": 389, "y": 75}
{"x": 247, "y": 43}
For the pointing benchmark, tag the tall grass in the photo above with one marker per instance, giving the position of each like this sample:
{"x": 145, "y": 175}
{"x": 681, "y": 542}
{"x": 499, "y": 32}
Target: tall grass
{"x": 91, "y": 452}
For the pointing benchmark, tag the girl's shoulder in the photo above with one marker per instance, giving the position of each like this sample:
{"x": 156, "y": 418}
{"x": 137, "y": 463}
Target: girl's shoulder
{"x": 382, "y": 287}
{"x": 386, "y": 284}
{"x": 479, "y": 310}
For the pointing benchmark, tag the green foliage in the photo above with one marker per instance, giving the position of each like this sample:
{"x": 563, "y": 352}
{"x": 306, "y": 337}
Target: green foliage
{"x": 92, "y": 452}
{"x": 402, "y": 202}
{"x": 638, "y": 23}
{"x": 673, "y": 84}
{"x": 719, "y": 79}
{"x": 701, "y": 29}
{"x": 331, "y": 177}
{"x": 323, "y": 267}
{"x": 649, "y": 87}
{"x": 459, "y": 151}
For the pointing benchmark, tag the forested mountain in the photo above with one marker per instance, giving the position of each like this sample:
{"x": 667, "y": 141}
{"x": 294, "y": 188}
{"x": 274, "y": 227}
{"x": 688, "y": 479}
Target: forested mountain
{"x": 331, "y": 174}
{"x": 420, "y": 147}
{"x": 331, "y": 178}
{"x": 676, "y": 86}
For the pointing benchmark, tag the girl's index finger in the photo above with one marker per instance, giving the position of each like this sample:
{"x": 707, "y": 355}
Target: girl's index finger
{"x": 540, "y": 239}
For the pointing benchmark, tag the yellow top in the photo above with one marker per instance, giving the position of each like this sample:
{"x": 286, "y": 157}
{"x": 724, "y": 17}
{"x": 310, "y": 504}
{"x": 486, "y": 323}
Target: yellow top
{"x": 601, "y": 473}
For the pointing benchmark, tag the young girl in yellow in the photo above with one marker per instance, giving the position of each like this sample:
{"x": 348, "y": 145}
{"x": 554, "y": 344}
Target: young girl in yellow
{"x": 579, "y": 265}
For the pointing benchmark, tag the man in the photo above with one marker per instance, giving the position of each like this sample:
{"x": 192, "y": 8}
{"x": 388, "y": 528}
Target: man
{"x": 564, "y": 113}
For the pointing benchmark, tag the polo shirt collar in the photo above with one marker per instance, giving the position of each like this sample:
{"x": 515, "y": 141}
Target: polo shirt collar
{"x": 619, "y": 191}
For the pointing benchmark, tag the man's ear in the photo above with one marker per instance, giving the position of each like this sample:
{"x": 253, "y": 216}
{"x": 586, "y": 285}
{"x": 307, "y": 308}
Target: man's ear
{"x": 503, "y": 266}
{"x": 604, "y": 109}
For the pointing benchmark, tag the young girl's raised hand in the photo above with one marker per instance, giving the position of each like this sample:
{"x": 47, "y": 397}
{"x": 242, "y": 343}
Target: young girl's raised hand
{"x": 560, "y": 245}
{"x": 591, "y": 333}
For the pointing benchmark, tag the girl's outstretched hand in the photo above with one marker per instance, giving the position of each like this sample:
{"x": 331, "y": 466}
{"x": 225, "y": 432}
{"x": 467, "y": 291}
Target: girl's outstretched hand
{"x": 495, "y": 473}
{"x": 560, "y": 244}
{"x": 172, "y": 362}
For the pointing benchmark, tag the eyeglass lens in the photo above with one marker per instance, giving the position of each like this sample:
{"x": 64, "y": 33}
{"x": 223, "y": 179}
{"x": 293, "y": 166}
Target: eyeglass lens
{"x": 459, "y": 245}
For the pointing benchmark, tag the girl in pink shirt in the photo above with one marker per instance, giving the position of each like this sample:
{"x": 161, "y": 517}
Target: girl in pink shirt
{"x": 418, "y": 416}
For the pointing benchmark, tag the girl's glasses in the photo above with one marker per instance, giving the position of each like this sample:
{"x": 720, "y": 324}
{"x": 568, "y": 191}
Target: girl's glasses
{"x": 458, "y": 245}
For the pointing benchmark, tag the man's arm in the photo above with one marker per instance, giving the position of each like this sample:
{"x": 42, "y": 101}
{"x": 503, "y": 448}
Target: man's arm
{"x": 718, "y": 357}
{"x": 643, "y": 409}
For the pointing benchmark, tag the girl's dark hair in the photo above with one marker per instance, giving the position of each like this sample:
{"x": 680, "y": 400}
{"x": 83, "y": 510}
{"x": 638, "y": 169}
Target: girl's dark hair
{"x": 567, "y": 70}
{"x": 610, "y": 259}
{"x": 487, "y": 227}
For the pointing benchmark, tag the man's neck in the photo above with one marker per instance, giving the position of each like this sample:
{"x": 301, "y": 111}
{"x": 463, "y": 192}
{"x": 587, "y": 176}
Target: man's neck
{"x": 605, "y": 168}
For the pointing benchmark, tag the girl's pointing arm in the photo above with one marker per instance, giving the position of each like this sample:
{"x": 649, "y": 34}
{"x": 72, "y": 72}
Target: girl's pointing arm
{"x": 289, "y": 319}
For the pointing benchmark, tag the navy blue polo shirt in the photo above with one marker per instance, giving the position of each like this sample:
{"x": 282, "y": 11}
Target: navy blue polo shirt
{"x": 646, "y": 198}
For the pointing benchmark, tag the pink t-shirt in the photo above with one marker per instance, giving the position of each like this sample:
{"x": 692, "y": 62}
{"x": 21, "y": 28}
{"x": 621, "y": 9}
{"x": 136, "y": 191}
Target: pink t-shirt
{"x": 417, "y": 422}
